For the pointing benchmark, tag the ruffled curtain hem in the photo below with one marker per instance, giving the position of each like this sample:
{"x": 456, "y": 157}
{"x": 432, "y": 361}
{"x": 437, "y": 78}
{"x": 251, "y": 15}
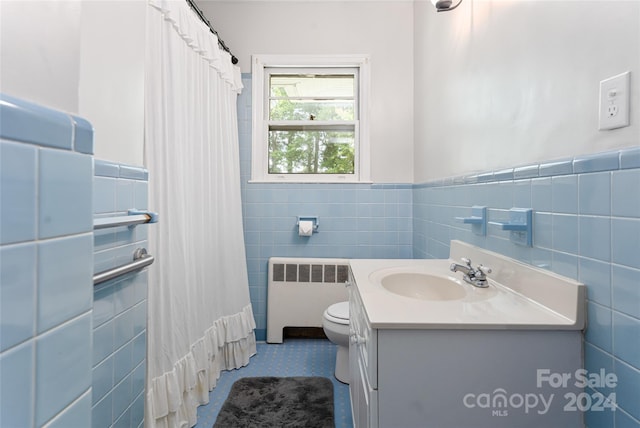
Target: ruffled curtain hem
{"x": 173, "y": 397}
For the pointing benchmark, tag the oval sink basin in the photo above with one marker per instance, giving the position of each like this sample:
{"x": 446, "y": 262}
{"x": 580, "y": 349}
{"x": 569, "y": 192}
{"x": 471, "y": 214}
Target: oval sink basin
{"x": 423, "y": 286}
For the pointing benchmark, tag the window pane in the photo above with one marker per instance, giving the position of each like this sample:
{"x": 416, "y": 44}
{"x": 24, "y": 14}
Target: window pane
{"x": 311, "y": 110}
{"x": 312, "y": 85}
{"x": 311, "y": 152}
{"x": 312, "y": 97}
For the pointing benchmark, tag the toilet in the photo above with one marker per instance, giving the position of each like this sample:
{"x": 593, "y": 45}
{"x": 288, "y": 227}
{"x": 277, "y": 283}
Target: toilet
{"x": 335, "y": 323}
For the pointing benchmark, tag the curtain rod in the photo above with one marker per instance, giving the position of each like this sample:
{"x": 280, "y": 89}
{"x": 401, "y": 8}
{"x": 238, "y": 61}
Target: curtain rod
{"x": 197, "y": 10}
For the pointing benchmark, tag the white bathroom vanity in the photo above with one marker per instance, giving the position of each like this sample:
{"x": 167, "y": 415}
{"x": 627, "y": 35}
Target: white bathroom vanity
{"x": 507, "y": 355}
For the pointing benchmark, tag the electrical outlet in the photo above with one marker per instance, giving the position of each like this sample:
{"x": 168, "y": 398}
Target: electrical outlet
{"x": 614, "y": 102}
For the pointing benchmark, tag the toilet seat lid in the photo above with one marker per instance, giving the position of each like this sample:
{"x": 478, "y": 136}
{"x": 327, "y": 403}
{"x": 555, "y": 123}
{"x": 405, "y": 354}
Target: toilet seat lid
{"x": 339, "y": 310}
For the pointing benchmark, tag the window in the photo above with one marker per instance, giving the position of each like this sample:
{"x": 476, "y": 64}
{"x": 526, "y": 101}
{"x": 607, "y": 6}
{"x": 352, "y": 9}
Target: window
{"x": 309, "y": 119}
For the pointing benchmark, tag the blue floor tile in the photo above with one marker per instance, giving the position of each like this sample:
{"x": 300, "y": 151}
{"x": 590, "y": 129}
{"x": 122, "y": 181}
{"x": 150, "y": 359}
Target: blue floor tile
{"x": 294, "y": 357}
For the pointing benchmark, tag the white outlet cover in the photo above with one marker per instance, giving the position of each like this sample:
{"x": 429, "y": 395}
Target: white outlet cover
{"x": 614, "y": 102}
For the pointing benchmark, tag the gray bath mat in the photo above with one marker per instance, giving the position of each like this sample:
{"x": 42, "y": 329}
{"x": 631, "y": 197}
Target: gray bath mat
{"x": 262, "y": 402}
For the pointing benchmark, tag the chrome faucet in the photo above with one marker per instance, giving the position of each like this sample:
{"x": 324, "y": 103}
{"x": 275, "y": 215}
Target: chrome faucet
{"x": 474, "y": 276}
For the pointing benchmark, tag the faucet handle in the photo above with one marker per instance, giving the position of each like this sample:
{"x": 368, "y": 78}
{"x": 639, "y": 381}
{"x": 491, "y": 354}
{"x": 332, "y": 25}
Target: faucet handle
{"x": 484, "y": 269}
{"x": 466, "y": 261}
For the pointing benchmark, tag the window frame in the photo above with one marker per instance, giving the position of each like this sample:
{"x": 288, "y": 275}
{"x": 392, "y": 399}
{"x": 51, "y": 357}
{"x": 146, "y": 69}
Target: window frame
{"x": 260, "y": 121}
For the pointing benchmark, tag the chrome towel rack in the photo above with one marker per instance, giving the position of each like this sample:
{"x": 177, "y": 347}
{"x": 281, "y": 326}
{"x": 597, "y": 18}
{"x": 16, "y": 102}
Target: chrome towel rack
{"x": 132, "y": 218}
{"x": 140, "y": 257}
{"x": 140, "y": 260}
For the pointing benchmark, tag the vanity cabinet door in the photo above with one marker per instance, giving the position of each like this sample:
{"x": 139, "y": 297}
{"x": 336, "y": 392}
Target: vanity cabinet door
{"x": 362, "y": 365}
{"x": 355, "y": 381}
{"x": 366, "y": 415}
{"x": 363, "y": 337}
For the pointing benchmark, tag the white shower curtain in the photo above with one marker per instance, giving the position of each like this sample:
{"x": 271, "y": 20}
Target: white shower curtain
{"x": 199, "y": 312}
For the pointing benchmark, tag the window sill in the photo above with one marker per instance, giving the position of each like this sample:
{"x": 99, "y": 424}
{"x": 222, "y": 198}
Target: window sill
{"x": 292, "y": 181}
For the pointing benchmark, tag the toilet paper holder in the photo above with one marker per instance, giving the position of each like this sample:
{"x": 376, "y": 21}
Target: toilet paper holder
{"x": 313, "y": 218}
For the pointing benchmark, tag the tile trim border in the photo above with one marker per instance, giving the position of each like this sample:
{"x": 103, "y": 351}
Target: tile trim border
{"x": 27, "y": 122}
{"x": 627, "y": 158}
{"x": 104, "y": 168}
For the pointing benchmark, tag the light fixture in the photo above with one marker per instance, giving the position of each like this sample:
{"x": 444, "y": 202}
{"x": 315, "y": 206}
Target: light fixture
{"x": 445, "y": 5}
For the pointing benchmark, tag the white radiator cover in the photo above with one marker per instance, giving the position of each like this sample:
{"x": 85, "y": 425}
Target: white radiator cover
{"x": 299, "y": 291}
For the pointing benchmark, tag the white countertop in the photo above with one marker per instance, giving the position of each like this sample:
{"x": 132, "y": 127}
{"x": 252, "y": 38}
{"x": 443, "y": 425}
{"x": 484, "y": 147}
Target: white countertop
{"x": 519, "y": 296}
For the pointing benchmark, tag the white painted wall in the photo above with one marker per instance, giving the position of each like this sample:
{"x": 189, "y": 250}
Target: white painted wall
{"x": 382, "y": 29}
{"x": 504, "y": 83}
{"x": 82, "y": 57}
{"x": 497, "y": 83}
{"x": 40, "y": 52}
{"x": 112, "y": 61}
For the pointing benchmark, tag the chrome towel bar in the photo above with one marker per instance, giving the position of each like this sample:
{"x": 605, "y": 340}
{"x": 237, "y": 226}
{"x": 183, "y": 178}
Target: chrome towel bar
{"x": 140, "y": 260}
{"x": 132, "y": 218}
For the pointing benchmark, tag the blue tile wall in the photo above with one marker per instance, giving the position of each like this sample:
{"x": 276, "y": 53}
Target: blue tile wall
{"x": 60, "y": 381}
{"x": 18, "y": 373}
{"x": 119, "y": 305}
{"x": 17, "y": 306}
{"x": 64, "y": 199}
{"x": 586, "y": 226}
{"x": 356, "y": 220}
{"x": 45, "y": 266}
{"x": 18, "y": 197}
{"x": 62, "y": 264}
